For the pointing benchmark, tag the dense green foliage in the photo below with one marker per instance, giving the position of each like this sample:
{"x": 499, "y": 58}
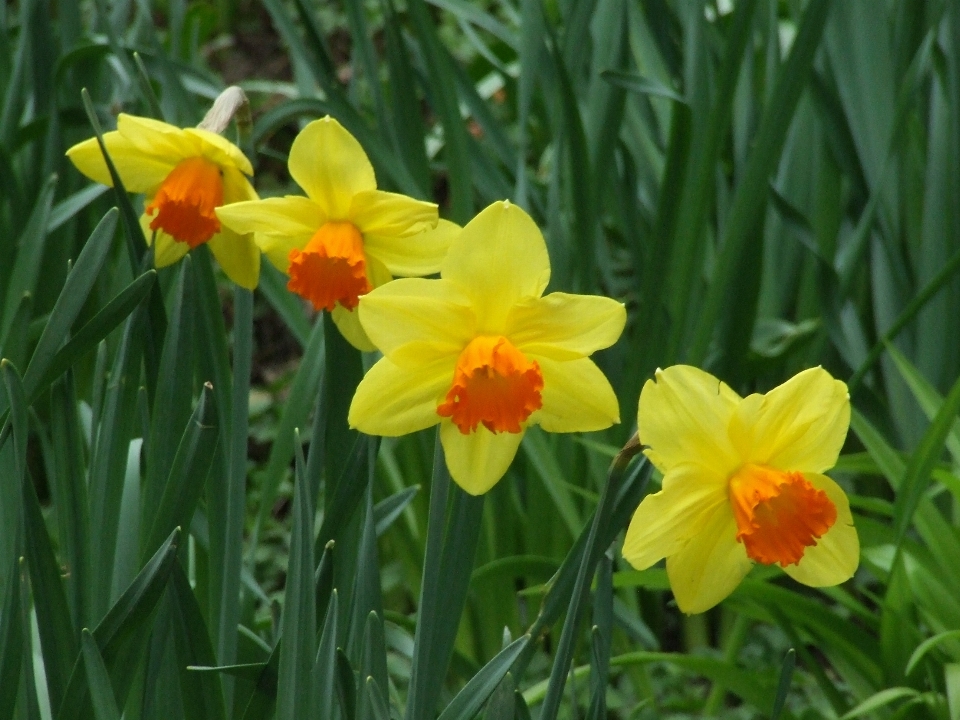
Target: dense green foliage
{"x": 768, "y": 186}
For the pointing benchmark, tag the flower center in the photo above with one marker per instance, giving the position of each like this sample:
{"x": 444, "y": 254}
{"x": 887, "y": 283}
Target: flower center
{"x": 493, "y": 384}
{"x": 184, "y": 204}
{"x": 331, "y": 268}
{"x": 779, "y": 514}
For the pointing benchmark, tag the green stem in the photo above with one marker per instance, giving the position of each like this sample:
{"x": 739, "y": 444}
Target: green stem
{"x": 734, "y": 641}
{"x": 448, "y": 561}
{"x": 236, "y": 485}
{"x": 558, "y": 674}
{"x": 695, "y": 633}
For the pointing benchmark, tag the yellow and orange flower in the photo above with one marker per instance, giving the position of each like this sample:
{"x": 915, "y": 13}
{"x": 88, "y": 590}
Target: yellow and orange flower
{"x": 743, "y": 483}
{"x": 345, "y": 237}
{"x": 186, "y": 174}
{"x": 482, "y": 353}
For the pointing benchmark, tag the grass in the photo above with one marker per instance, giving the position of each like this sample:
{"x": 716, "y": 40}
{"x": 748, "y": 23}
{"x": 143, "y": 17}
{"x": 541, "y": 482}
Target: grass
{"x": 768, "y": 186}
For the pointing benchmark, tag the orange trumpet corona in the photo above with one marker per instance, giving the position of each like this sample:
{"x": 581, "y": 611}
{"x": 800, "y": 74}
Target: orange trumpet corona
{"x": 493, "y": 384}
{"x": 185, "y": 202}
{"x": 331, "y": 268}
{"x": 779, "y": 514}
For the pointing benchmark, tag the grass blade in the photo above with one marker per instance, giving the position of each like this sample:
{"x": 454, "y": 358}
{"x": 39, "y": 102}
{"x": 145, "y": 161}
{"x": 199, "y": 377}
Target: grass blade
{"x": 295, "y": 695}
{"x": 123, "y": 634}
{"x": 171, "y": 414}
{"x": 58, "y": 639}
{"x": 366, "y": 631}
{"x": 916, "y": 304}
{"x": 373, "y": 671}
{"x": 444, "y": 94}
{"x": 11, "y": 643}
{"x": 74, "y": 294}
{"x": 24, "y": 273}
{"x": 99, "y": 326}
{"x": 705, "y": 145}
{"x": 188, "y": 472}
{"x": 601, "y": 640}
{"x": 447, "y": 566}
{"x": 469, "y": 700}
{"x": 922, "y": 462}
{"x": 98, "y": 680}
{"x": 295, "y": 414}
{"x": 750, "y": 200}
{"x": 640, "y": 84}
{"x": 200, "y": 692}
{"x": 324, "y": 669}
{"x": 229, "y": 603}
{"x": 406, "y": 121}
{"x": 155, "y": 320}
{"x": 562, "y": 583}
{"x": 783, "y": 687}
{"x": 389, "y": 509}
{"x": 564, "y": 655}
{"x": 12, "y": 468}
{"x": 69, "y": 490}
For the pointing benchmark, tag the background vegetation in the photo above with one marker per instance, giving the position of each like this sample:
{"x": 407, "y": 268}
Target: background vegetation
{"x": 767, "y": 185}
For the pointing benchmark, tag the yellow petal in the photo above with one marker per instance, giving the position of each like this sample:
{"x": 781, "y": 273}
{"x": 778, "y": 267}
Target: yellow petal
{"x": 277, "y": 248}
{"x": 416, "y": 310}
{"x": 139, "y": 172}
{"x": 385, "y": 213}
{"x": 279, "y": 224}
{"x": 577, "y": 396}
{"x": 220, "y": 150}
{"x": 377, "y": 273}
{"x": 348, "y": 323}
{"x": 158, "y": 139}
{"x": 293, "y": 215}
{"x": 665, "y": 520}
{"x": 564, "y": 326}
{"x": 420, "y": 254}
{"x": 836, "y": 555}
{"x": 236, "y": 187}
{"x": 710, "y": 565}
{"x": 239, "y": 257}
{"x": 478, "y": 460}
{"x": 800, "y": 425}
{"x": 165, "y": 141}
{"x": 683, "y": 417}
{"x": 167, "y": 250}
{"x": 330, "y": 166}
{"x": 394, "y": 401}
{"x": 498, "y": 259}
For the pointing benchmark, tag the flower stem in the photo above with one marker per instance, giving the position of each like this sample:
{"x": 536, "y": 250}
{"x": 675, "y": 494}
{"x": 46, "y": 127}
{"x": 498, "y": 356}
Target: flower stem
{"x": 564, "y": 656}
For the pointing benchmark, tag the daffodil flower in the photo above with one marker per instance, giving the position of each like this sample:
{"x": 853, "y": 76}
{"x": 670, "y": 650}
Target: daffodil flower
{"x": 186, "y": 174}
{"x": 345, "y": 237}
{"x": 743, "y": 483}
{"x": 481, "y": 352}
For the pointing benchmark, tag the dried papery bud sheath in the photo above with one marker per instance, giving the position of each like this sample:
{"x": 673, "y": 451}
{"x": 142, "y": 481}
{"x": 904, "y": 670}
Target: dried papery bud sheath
{"x": 231, "y": 104}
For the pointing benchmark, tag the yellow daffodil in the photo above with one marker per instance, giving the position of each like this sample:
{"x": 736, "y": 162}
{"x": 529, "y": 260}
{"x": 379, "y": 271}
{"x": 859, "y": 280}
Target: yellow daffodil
{"x": 345, "y": 237}
{"x": 186, "y": 174}
{"x": 481, "y": 352}
{"x": 743, "y": 482}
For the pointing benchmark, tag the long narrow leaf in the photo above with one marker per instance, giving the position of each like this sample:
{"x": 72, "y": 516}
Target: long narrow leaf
{"x": 295, "y": 695}
{"x": 101, "y": 691}
{"x": 469, "y": 700}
